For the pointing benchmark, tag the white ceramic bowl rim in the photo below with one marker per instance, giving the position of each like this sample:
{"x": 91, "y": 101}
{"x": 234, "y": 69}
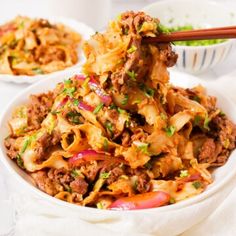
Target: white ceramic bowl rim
{"x": 193, "y": 200}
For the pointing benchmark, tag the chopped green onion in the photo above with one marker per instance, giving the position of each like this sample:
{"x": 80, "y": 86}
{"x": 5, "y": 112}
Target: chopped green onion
{"x": 197, "y": 184}
{"x": 105, "y": 175}
{"x": 184, "y": 173}
{"x": 19, "y": 161}
{"x": 109, "y": 126}
{"x": 172, "y": 200}
{"x": 25, "y": 145}
{"x": 138, "y": 101}
{"x": 105, "y": 145}
{"x": 197, "y": 99}
{"x": 125, "y": 100}
{"x": 76, "y": 102}
{"x": 37, "y": 70}
{"x": 170, "y": 130}
{"x": 132, "y": 75}
{"x": 69, "y": 91}
{"x": 98, "y": 108}
{"x": 163, "y": 116}
{"x": 99, "y": 205}
{"x": 75, "y": 173}
{"x": 68, "y": 82}
{"x": 143, "y": 147}
{"x": 55, "y": 112}
{"x": 132, "y": 49}
{"x": 206, "y": 123}
{"x": 222, "y": 113}
{"x": 197, "y": 120}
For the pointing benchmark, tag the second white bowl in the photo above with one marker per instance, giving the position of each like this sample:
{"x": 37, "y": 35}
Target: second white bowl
{"x": 199, "y": 14}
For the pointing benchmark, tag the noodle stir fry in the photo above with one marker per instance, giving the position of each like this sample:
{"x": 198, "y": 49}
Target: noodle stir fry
{"x": 31, "y": 47}
{"x": 120, "y": 136}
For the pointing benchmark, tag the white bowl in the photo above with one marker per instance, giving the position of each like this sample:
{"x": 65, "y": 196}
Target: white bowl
{"x": 84, "y": 30}
{"x": 221, "y": 175}
{"x": 198, "y": 13}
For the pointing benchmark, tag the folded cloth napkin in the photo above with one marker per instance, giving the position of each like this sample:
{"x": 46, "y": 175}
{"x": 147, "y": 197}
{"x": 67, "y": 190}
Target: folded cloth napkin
{"x": 215, "y": 215}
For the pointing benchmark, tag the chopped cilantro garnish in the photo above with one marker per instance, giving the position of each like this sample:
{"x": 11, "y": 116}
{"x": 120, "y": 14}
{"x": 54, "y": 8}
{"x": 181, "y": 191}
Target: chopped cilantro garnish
{"x": 37, "y": 70}
{"x": 99, "y": 205}
{"x": 19, "y": 161}
{"x": 132, "y": 49}
{"x": 170, "y": 130}
{"x": 163, "y": 116}
{"x": 105, "y": 175}
{"x": 125, "y": 100}
{"x": 132, "y": 75}
{"x": 105, "y": 145}
{"x": 184, "y": 173}
{"x": 98, "y": 108}
{"x": 197, "y": 184}
{"x": 206, "y": 123}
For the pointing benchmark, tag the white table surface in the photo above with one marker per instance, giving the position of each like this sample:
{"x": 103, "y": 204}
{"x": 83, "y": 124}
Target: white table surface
{"x": 9, "y": 90}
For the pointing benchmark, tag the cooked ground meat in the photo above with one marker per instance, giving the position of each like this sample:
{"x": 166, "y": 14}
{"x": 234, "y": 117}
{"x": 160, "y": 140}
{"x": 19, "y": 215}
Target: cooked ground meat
{"x": 10, "y": 145}
{"x": 38, "y": 109}
{"x": 207, "y": 152}
{"x": 143, "y": 184}
{"x": 115, "y": 173}
{"x": 79, "y": 185}
{"x": 45, "y": 183}
{"x": 61, "y": 176}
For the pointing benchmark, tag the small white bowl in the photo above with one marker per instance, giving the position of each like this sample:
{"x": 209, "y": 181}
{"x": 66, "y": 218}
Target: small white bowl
{"x": 84, "y": 30}
{"x": 198, "y": 13}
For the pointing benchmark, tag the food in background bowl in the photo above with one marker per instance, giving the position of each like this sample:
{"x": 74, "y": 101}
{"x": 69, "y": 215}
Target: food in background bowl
{"x": 35, "y": 46}
{"x": 122, "y": 137}
{"x": 205, "y": 42}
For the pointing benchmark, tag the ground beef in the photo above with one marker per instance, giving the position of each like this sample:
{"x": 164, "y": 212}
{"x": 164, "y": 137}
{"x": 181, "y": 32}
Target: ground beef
{"x": 61, "y": 176}
{"x": 39, "y": 107}
{"x": 207, "y": 152}
{"x": 143, "y": 184}
{"x": 50, "y": 186}
{"x": 115, "y": 173}
{"x": 10, "y": 145}
{"x": 79, "y": 185}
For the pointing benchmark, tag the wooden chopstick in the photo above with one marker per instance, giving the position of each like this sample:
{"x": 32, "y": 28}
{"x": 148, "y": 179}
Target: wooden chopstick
{"x": 213, "y": 33}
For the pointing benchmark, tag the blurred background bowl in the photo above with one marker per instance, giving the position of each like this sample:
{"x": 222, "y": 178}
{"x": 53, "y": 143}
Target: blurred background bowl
{"x": 199, "y": 14}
